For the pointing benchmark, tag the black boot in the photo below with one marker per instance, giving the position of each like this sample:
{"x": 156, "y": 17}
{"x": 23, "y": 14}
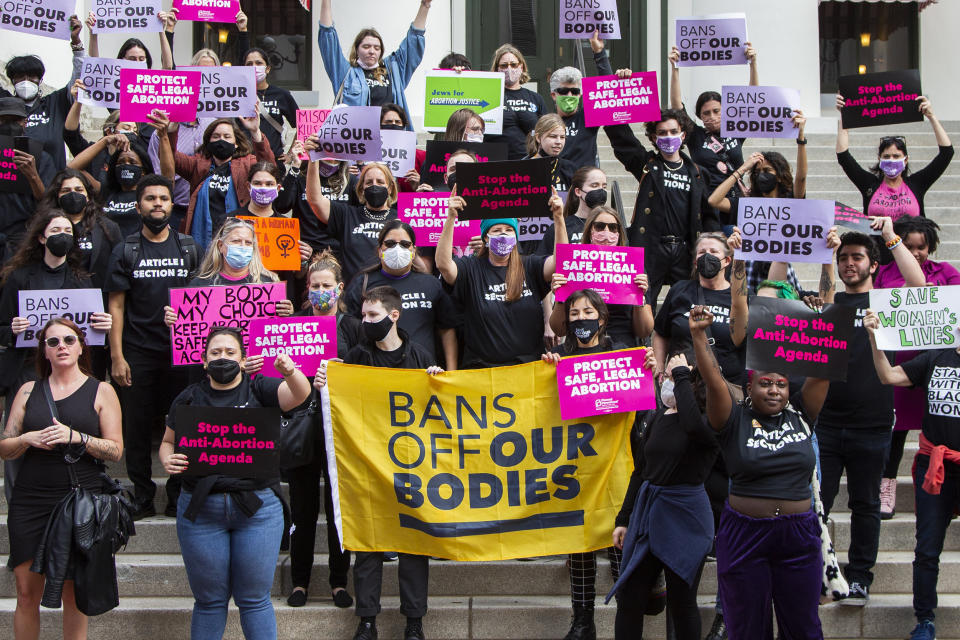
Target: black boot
{"x": 719, "y": 629}
{"x": 582, "y": 627}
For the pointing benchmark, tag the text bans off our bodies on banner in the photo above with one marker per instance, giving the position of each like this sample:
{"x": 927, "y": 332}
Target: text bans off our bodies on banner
{"x": 470, "y": 465}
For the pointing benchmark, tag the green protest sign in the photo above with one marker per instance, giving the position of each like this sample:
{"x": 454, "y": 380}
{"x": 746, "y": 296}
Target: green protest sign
{"x": 914, "y": 318}
{"x": 448, "y": 91}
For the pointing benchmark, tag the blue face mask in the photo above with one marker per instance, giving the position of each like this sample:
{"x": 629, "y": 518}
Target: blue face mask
{"x": 323, "y": 299}
{"x": 239, "y": 257}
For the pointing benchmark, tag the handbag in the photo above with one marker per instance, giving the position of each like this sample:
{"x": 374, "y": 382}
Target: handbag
{"x": 298, "y": 430}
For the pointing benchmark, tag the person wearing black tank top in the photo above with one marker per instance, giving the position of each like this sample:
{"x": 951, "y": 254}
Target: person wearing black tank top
{"x": 88, "y": 429}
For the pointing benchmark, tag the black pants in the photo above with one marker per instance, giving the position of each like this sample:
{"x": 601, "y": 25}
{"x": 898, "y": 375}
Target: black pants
{"x": 305, "y": 509}
{"x": 681, "y": 601}
{"x": 862, "y": 452}
{"x": 155, "y": 383}
{"x": 895, "y": 454}
{"x": 934, "y": 513}
{"x": 665, "y": 264}
{"x": 413, "y": 574}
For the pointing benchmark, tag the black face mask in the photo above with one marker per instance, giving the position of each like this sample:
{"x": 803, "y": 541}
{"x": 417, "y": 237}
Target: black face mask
{"x": 585, "y": 329}
{"x": 391, "y": 127}
{"x": 223, "y": 370}
{"x": 128, "y": 175}
{"x": 377, "y": 331}
{"x": 221, "y": 149}
{"x": 451, "y": 179}
{"x": 73, "y": 202}
{"x": 765, "y": 182}
{"x": 375, "y": 196}
{"x": 709, "y": 265}
{"x": 156, "y": 226}
{"x": 595, "y": 198}
{"x": 59, "y": 244}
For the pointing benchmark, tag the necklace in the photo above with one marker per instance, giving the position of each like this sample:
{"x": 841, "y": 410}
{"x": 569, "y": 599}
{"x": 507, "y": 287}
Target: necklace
{"x": 669, "y": 168}
{"x": 379, "y": 217}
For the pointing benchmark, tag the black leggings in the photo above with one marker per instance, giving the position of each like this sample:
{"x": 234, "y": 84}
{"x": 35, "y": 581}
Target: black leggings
{"x": 681, "y": 601}
{"x": 583, "y": 574}
{"x": 895, "y": 453}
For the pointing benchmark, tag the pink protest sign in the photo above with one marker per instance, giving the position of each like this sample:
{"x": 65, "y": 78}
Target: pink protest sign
{"x": 758, "y": 112}
{"x": 309, "y": 122}
{"x": 199, "y": 309}
{"x": 609, "y": 100}
{"x": 610, "y": 271}
{"x": 142, "y": 91}
{"x": 426, "y": 211}
{"x": 613, "y": 382}
{"x": 48, "y": 18}
{"x": 308, "y": 340}
{"x": 207, "y": 10}
{"x": 579, "y": 19}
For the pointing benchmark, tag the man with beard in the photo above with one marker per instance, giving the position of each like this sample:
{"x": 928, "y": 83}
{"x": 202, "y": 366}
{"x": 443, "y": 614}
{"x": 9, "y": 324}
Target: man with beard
{"x": 144, "y": 267}
{"x": 853, "y": 430}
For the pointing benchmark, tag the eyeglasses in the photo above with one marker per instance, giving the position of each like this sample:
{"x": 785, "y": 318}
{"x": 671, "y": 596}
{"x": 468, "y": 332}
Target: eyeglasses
{"x": 390, "y": 244}
{"x": 508, "y": 65}
{"x": 54, "y": 341}
{"x": 606, "y": 226}
{"x": 568, "y": 91}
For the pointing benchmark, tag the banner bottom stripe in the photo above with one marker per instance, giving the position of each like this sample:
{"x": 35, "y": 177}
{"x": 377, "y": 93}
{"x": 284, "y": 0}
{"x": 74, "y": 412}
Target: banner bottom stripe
{"x": 484, "y": 527}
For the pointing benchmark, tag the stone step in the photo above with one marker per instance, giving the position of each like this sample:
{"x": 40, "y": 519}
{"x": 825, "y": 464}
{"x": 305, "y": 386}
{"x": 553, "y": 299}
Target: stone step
{"x": 905, "y": 495}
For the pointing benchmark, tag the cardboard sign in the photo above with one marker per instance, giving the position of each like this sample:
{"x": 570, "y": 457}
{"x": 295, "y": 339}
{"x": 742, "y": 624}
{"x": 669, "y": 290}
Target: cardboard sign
{"x": 789, "y": 338}
{"x": 717, "y": 40}
{"x": 610, "y": 271}
{"x": 39, "y": 306}
{"x": 609, "y": 100}
{"x": 758, "y": 112}
{"x": 916, "y": 318}
{"x": 345, "y": 133}
{"x": 47, "y": 18}
{"x": 602, "y": 383}
{"x": 398, "y": 150}
{"x": 308, "y": 340}
{"x": 504, "y": 189}
{"x": 208, "y": 10}
{"x": 226, "y": 92}
{"x": 101, "y": 80}
{"x": 853, "y": 219}
{"x": 875, "y": 99}
{"x": 278, "y": 240}
{"x": 426, "y": 212}
{"x": 11, "y": 179}
{"x": 228, "y": 441}
{"x": 433, "y": 171}
{"x": 175, "y": 92}
{"x": 448, "y": 91}
{"x": 579, "y": 19}
{"x": 200, "y": 309}
{"x": 128, "y": 16}
{"x": 785, "y": 229}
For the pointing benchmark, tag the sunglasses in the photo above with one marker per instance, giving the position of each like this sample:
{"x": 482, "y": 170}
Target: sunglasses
{"x": 893, "y": 139}
{"x": 390, "y": 244}
{"x": 568, "y": 91}
{"x": 509, "y": 65}
{"x": 606, "y": 226}
{"x": 54, "y": 341}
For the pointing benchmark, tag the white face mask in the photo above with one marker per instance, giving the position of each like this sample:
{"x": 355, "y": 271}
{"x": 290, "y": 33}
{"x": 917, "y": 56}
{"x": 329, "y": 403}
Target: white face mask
{"x": 260, "y": 73}
{"x": 397, "y": 257}
{"x": 27, "y": 90}
{"x": 666, "y": 394}
{"x": 473, "y": 137}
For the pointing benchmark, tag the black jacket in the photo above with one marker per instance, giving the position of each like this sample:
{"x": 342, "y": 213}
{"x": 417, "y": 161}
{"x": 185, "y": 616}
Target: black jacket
{"x": 414, "y": 356}
{"x": 648, "y": 223}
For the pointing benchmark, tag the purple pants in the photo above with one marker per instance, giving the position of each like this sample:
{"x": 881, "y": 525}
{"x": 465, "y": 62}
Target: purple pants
{"x": 764, "y": 559}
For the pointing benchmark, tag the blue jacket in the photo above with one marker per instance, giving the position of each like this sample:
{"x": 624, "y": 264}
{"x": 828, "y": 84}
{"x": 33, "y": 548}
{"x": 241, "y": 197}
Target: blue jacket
{"x": 400, "y": 67}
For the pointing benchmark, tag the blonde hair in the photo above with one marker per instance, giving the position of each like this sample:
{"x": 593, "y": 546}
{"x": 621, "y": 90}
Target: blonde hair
{"x": 509, "y": 48}
{"x": 392, "y": 188}
{"x": 213, "y": 261}
{"x": 545, "y": 125}
{"x": 205, "y": 53}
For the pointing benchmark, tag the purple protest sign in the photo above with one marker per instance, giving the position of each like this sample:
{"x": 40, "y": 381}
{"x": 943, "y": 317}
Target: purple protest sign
{"x": 101, "y": 80}
{"x": 308, "y": 340}
{"x": 609, "y": 100}
{"x": 758, "y": 112}
{"x": 426, "y": 212}
{"x": 717, "y": 40}
{"x": 610, "y": 271}
{"x": 47, "y": 18}
{"x": 579, "y": 19}
{"x": 207, "y": 10}
{"x": 135, "y": 16}
{"x": 785, "y": 229}
{"x": 226, "y": 92}
{"x": 398, "y": 151}
{"x": 345, "y": 133}
{"x": 174, "y": 92}
{"x": 613, "y": 382}
{"x": 39, "y": 306}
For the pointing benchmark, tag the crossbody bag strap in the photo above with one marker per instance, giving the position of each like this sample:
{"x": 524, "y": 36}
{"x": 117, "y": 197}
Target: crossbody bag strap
{"x": 265, "y": 115}
{"x": 48, "y": 396}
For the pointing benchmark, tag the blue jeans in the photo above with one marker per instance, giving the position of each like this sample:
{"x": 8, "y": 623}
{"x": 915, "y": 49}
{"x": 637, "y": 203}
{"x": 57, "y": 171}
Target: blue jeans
{"x": 228, "y": 554}
{"x": 933, "y": 517}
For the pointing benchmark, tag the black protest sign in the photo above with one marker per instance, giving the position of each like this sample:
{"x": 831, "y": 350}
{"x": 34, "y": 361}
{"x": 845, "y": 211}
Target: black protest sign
{"x": 789, "y": 338}
{"x": 852, "y": 219}
{"x": 874, "y": 99}
{"x": 12, "y": 179}
{"x": 433, "y": 171}
{"x": 228, "y": 441}
{"x": 509, "y": 189}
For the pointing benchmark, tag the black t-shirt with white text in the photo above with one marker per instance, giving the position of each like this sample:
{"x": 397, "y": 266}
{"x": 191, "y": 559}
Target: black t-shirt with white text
{"x": 121, "y": 208}
{"x": 575, "y": 226}
{"x": 718, "y": 156}
{"x": 581, "y": 145}
{"x": 380, "y": 91}
{"x": 312, "y": 231}
{"x": 219, "y": 185}
{"x": 676, "y": 200}
{"x": 357, "y": 232}
{"x": 522, "y": 109}
{"x": 281, "y": 105}
{"x": 938, "y": 371}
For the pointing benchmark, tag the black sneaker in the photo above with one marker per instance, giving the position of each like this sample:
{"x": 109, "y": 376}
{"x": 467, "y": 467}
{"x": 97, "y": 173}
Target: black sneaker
{"x": 170, "y": 510}
{"x": 719, "y": 629}
{"x": 366, "y": 631}
{"x": 144, "y": 511}
{"x": 859, "y": 595}
{"x": 413, "y": 630}
{"x": 297, "y": 598}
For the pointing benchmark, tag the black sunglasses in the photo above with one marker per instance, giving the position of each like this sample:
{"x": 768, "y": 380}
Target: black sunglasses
{"x": 390, "y": 244}
{"x": 54, "y": 341}
{"x": 568, "y": 91}
{"x": 606, "y": 226}
{"x": 893, "y": 140}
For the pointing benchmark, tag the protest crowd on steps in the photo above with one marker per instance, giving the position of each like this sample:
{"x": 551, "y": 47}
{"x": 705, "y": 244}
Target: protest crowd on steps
{"x": 220, "y": 285}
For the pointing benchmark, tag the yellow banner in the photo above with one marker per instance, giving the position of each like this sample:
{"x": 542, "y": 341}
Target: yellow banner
{"x": 471, "y": 465}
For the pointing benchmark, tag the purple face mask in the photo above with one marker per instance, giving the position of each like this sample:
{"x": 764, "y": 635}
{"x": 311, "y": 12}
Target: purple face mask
{"x": 327, "y": 170}
{"x": 502, "y": 245}
{"x": 892, "y": 168}
{"x": 263, "y": 195}
{"x": 669, "y": 144}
